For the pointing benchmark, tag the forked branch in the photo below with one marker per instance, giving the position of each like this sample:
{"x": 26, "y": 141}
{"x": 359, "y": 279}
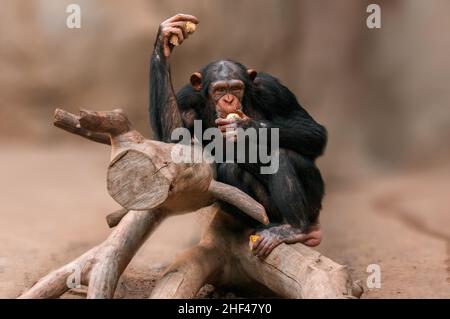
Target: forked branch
{"x": 150, "y": 186}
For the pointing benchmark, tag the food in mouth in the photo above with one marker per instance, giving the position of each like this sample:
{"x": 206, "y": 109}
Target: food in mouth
{"x": 233, "y": 115}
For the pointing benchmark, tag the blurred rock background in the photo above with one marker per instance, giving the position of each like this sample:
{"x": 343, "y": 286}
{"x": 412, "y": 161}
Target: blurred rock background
{"x": 383, "y": 95}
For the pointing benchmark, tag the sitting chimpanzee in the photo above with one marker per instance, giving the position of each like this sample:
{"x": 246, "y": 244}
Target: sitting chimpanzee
{"x": 292, "y": 196}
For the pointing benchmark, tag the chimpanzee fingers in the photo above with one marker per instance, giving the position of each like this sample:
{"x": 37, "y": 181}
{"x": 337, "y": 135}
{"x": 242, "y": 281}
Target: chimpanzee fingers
{"x": 258, "y": 244}
{"x": 221, "y": 121}
{"x": 177, "y": 32}
{"x": 181, "y": 25}
{"x": 182, "y": 17}
{"x": 270, "y": 247}
{"x": 166, "y": 47}
{"x": 262, "y": 244}
{"x": 228, "y": 128}
{"x": 264, "y": 250}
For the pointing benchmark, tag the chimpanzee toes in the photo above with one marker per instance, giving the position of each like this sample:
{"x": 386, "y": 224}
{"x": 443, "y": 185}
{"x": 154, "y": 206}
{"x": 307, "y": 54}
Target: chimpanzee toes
{"x": 313, "y": 238}
{"x": 268, "y": 246}
{"x": 259, "y": 246}
{"x": 313, "y": 242}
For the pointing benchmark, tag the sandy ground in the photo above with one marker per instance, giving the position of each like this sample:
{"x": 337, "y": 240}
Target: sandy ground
{"x": 54, "y": 202}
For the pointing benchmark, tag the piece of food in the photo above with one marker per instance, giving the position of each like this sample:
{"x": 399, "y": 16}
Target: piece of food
{"x": 189, "y": 27}
{"x": 233, "y": 115}
{"x": 174, "y": 40}
{"x": 253, "y": 240}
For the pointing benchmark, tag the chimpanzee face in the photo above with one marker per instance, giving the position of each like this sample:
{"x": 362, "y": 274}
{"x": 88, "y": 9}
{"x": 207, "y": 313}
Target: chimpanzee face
{"x": 225, "y": 80}
{"x": 227, "y": 96}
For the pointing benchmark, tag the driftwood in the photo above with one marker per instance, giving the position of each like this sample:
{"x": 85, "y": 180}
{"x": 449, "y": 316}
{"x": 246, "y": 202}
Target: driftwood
{"x": 149, "y": 186}
{"x": 223, "y": 258}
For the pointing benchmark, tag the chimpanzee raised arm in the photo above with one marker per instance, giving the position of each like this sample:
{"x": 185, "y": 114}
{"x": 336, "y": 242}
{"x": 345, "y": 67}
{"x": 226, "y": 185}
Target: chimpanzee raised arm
{"x": 163, "y": 109}
{"x": 228, "y": 95}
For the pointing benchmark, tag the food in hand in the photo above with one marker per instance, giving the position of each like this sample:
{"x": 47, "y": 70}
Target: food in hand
{"x": 189, "y": 28}
{"x": 253, "y": 240}
{"x": 233, "y": 115}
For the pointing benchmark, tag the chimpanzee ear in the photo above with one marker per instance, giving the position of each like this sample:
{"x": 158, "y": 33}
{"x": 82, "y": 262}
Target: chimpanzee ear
{"x": 252, "y": 74}
{"x": 196, "y": 80}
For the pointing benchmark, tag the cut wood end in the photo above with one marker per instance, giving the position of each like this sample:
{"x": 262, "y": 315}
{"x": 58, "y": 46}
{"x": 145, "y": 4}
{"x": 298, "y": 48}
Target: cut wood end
{"x": 260, "y": 215}
{"x": 135, "y": 182}
{"x": 62, "y": 118}
{"x": 59, "y": 113}
{"x": 265, "y": 219}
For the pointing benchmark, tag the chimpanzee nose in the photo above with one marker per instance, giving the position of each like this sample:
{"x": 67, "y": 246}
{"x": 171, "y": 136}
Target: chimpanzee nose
{"x": 228, "y": 98}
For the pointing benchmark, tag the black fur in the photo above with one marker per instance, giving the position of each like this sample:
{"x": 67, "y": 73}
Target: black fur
{"x": 292, "y": 195}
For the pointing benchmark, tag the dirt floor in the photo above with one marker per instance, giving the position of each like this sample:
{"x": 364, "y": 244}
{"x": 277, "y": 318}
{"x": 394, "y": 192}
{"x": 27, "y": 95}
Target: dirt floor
{"x": 54, "y": 202}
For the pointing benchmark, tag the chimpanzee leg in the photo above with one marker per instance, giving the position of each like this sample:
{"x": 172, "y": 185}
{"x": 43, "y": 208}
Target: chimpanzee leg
{"x": 296, "y": 192}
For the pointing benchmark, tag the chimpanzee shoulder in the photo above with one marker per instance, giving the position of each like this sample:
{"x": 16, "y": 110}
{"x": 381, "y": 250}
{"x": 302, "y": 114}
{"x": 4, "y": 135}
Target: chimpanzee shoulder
{"x": 270, "y": 95}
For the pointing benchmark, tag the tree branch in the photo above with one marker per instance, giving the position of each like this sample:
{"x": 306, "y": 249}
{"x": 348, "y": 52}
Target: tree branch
{"x": 71, "y": 123}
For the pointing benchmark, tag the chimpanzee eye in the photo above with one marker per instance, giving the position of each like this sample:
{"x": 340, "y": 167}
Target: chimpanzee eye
{"x": 220, "y": 91}
{"x": 235, "y": 90}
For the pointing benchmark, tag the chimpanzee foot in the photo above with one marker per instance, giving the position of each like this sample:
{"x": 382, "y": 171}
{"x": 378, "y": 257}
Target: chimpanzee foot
{"x": 313, "y": 237}
{"x": 268, "y": 239}
{"x": 271, "y": 237}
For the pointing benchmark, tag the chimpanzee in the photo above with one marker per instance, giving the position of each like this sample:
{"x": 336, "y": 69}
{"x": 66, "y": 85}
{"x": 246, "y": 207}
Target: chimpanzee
{"x": 292, "y": 196}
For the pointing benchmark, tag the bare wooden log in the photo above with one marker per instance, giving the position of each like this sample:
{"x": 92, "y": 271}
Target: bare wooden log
{"x": 118, "y": 250}
{"x": 203, "y": 263}
{"x": 135, "y": 182}
{"x": 71, "y": 123}
{"x": 142, "y": 175}
{"x": 55, "y": 283}
{"x": 145, "y": 165}
{"x": 297, "y": 271}
{"x": 290, "y": 271}
{"x": 236, "y": 197}
{"x": 100, "y": 268}
{"x": 184, "y": 278}
{"x": 112, "y": 122}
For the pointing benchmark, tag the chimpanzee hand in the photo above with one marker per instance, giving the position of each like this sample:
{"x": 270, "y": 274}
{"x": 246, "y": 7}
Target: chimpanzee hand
{"x": 229, "y": 126}
{"x": 175, "y": 25}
